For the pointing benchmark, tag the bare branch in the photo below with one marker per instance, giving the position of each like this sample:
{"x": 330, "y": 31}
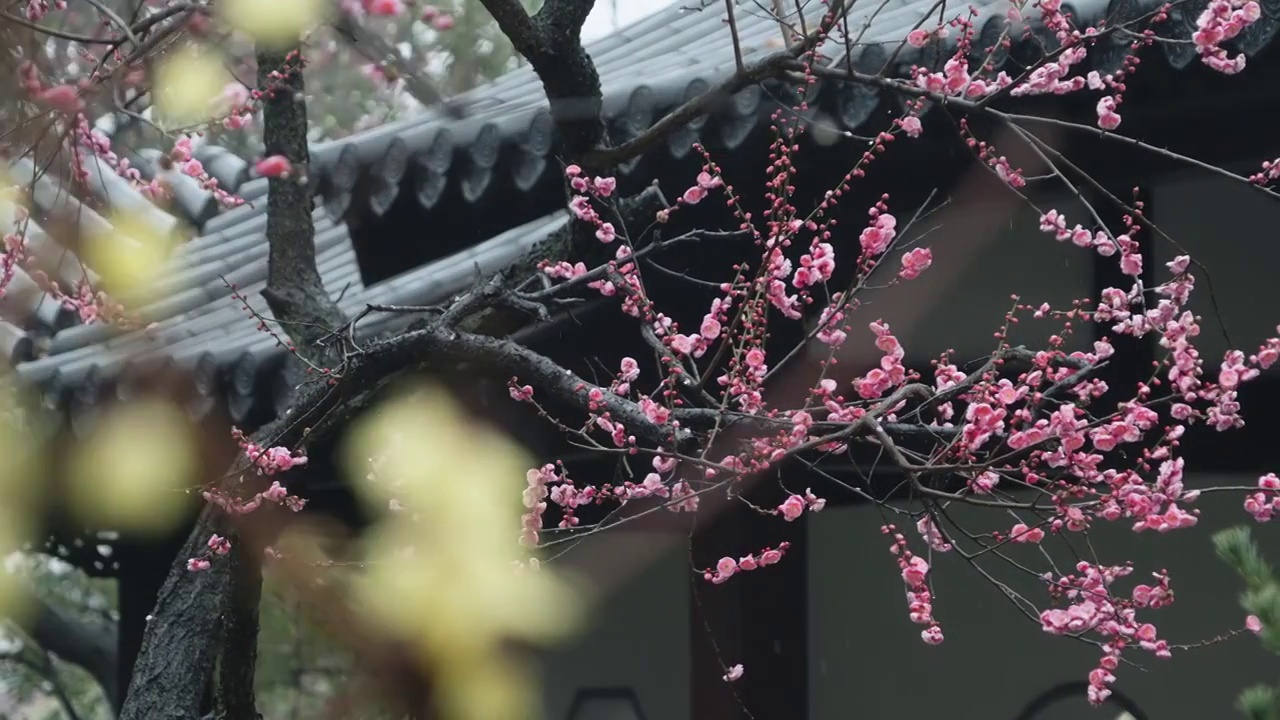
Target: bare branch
{"x": 733, "y": 34}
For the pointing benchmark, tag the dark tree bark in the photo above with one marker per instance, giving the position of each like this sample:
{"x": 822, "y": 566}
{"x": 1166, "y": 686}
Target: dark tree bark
{"x": 196, "y": 610}
{"x": 551, "y": 40}
{"x": 180, "y": 644}
{"x": 239, "y": 659}
{"x": 294, "y": 291}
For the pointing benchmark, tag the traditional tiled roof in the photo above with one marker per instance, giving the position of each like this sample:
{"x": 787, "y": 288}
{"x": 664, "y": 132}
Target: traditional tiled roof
{"x": 505, "y": 143}
{"x": 195, "y": 325}
{"x": 506, "y": 139}
{"x": 202, "y": 331}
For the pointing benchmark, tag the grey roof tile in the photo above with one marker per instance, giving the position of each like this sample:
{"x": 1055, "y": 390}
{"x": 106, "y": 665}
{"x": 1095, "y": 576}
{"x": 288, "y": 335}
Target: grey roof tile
{"x": 678, "y": 48}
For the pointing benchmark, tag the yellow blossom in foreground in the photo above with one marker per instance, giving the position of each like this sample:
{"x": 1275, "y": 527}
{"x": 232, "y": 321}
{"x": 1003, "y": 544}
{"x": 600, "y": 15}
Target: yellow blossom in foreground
{"x": 19, "y": 451}
{"x": 442, "y": 571}
{"x": 188, "y": 84}
{"x": 20, "y": 478}
{"x": 132, "y": 469}
{"x": 463, "y": 476}
{"x": 496, "y": 688}
{"x": 131, "y": 257}
{"x": 274, "y": 22}
{"x": 14, "y": 531}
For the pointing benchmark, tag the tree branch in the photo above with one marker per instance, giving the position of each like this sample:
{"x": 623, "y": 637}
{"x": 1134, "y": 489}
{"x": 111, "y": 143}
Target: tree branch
{"x": 563, "y": 18}
{"x": 638, "y": 210}
{"x": 772, "y": 66}
{"x": 239, "y": 659}
{"x": 171, "y": 673}
{"x": 294, "y": 292}
{"x": 516, "y": 24}
{"x": 179, "y": 646}
{"x": 552, "y": 43}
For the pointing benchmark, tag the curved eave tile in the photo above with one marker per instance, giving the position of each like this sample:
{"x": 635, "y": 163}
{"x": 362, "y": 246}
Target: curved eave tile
{"x": 230, "y": 170}
{"x": 475, "y": 160}
{"x": 16, "y": 345}
{"x": 195, "y": 203}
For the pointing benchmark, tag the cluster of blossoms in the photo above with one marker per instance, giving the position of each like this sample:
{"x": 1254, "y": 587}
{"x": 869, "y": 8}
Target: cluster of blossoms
{"x": 37, "y": 9}
{"x": 1219, "y": 23}
{"x": 587, "y": 188}
{"x": 1095, "y": 609}
{"x": 1033, "y": 427}
{"x": 89, "y": 149}
{"x": 15, "y": 249}
{"x": 69, "y": 99}
{"x": 265, "y": 461}
{"x": 182, "y": 157}
{"x": 915, "y": 574}
{"x": 727, "y": 567}
{"x": 891, "y": 372}
{"x": 999, "y": 164}
{"x": 782, "y": 285}
{"x": 1263, "y": 504}
{"x": 1056, "y": 223}
{"x": 88, "y": 304}
{"x": 1270, "y": 173}
{"x": 795, "y": 505}
{"x": 552, "y": 482}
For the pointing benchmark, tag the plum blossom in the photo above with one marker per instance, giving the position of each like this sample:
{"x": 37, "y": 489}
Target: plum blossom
{"x": 1253, "y": 624}
{"x": 875, "y": 239}
{"x": 915, "y": 262}
{"x": 792, "y": 508}
{"x": 275, "y": 166}
{"x": 63, "y": 98}
{"x": 383, "y": 7}
{"x": 1108, "y": 118}
{"x": 1020, "y": 533}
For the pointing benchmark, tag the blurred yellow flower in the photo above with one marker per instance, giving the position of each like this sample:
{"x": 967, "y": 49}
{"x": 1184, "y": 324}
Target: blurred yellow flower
{"x": 274, "y": 22}
{"x": 496, "y": 689}
{"x": 188, "y": 84}
{"x": 132, "y": 469}
{"x": 442, "y": 571}
{"x": 14, "y": 531}
{"x": 20, "y": 480}
{"x": 19, "y": 452}
{"x": 434, "y": 460}
{"x": 9, "y": 191}
{"x": 130, "y": 257}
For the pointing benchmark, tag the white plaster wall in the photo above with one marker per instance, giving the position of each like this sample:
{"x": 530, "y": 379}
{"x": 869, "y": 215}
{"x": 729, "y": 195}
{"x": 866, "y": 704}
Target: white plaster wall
{"x": 1235, "y": 232}
{"x": 869, "y": 662}
{"x": 984, "y": 251}
{"x": 637, "y": 635}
